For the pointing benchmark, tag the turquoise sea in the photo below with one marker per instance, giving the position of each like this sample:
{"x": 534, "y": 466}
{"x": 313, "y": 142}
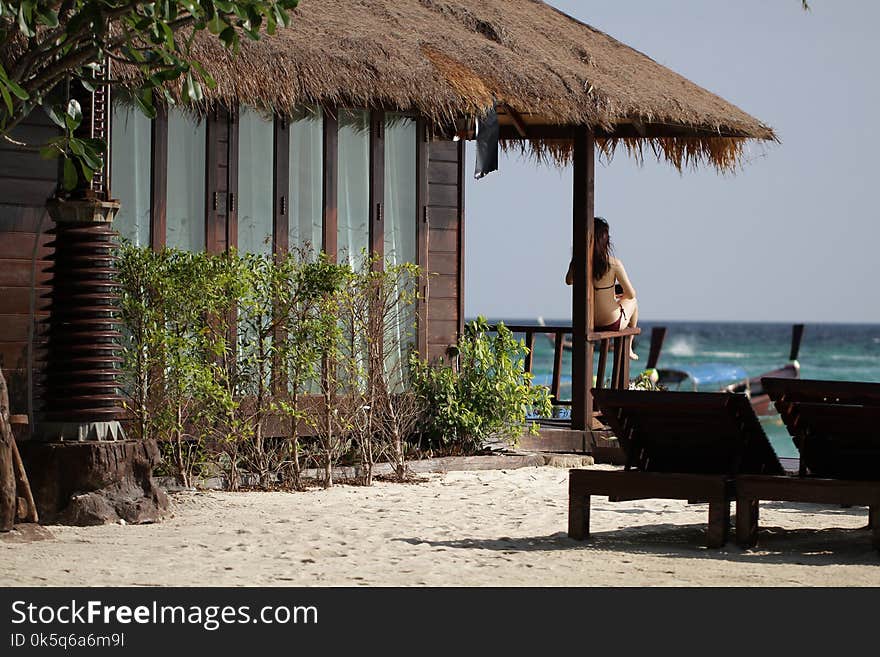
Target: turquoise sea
{"x": 838, "y": 352}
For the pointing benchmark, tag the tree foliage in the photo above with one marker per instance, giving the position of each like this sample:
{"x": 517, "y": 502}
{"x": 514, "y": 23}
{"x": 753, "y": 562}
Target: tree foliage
{"x": 487, "y": 394}
{"x": 49, "y": 44}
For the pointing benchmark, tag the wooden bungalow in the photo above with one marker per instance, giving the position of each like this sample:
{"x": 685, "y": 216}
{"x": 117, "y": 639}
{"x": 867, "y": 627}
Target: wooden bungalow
{"x": 338, "y": 132}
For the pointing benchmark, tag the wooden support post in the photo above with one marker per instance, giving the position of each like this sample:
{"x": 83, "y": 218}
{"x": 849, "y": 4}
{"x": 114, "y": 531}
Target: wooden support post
{"x": 530, "y": 357}
{"x": 159, "y": 177}
{"x": 603, "y": 361}
{"x": 280, "y": 228}
{"x": 578, "y": 511}
{"x": 719, "y": 523}
{"x": 617, "y": 369}
{"x": 462, "y": 185}
{"x": 329, "y": 184}
{"x": 281, "y": 187}
{"x": 232, "y": 125}
{"x": 746, "y": 522}
{"x": 874, "y": 524}
{"x": 658, "y": 335}
{"x": 377, "y": 189}
{"x": 221, "y": 179}
{"x": 582, "y": 289}
{"x": 557, "y": 367}
{"x": 422, "y": 228}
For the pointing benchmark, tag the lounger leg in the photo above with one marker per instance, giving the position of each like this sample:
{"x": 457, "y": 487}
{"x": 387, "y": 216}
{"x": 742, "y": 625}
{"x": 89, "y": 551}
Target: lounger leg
{"x": 874, "y": 523}
{"x": 719, "y": 521}
{"x": 578, "y": 516}
{"x": 746, "y": 522}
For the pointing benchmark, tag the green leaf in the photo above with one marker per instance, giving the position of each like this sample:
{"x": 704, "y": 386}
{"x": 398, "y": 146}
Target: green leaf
{"x": 70, "y": 176}
{"x": 76, "y": 146}
{"x": 12, "y": 85}
{"x": 193, "y": 88}
{"x": 54, "y": 113}
{"x": 49, "y": 152}
{"x": 73, "y": 115}
{"x": 169, "y": 36}
{"x": 48, "y": 17}
{"x": 216, "y": 24}
{"x": 7, "y": 99}
{"x": 90, "y": 156}
{"x": 24, "y": 20}
{"x": 229, "y": 37}
{"x": 209, "y": 80}
{"x": 144, "y": 101}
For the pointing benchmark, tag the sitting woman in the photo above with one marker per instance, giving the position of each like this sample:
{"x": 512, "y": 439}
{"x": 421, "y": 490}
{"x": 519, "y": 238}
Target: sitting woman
{"x": 612, "y": 311}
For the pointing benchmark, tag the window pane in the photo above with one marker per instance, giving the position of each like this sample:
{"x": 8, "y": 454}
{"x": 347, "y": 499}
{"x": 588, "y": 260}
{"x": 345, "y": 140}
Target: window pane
{"x": 401, "y": 212}
{"x": 305, "y": 191}
{"x": 130, "y": 163}
{"x": 185, "y": 212}
{"x": 255, "y": 182}
{"x": 400, "y": 188}
{"x": 354, "y": 179}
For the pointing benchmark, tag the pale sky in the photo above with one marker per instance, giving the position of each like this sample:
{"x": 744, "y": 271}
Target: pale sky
{"x": 794, "y": 236}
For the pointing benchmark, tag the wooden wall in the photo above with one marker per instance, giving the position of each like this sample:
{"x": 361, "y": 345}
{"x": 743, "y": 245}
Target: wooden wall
{"x": 26, "y": 181}
{"x": 445, "y": 219}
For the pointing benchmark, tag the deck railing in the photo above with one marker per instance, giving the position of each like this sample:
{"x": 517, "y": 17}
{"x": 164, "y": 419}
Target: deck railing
{"x": 617, "y": 342}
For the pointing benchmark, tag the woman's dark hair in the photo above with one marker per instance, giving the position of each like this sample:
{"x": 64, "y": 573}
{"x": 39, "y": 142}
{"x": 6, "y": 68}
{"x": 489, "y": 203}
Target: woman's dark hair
{"x": 601, "y": 248}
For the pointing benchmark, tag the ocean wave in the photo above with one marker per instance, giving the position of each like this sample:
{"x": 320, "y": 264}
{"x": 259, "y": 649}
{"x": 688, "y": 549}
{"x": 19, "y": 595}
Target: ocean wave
{"x": 850, "y": 358}
{"x": 725, "y": 354}
{"x": 680, "y": 347}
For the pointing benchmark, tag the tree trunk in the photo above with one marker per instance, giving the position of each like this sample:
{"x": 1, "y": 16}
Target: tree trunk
{"x": 8, "y": 498}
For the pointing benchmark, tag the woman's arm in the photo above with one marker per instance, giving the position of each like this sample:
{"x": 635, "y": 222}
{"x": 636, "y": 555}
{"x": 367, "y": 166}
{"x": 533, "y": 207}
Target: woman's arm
{"x": 629, "y": 292}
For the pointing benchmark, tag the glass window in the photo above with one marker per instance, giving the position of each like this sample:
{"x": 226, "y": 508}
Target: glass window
{"x": 185, "y": 210}
{"x": 305, "y": 192}
{"x": 130, "y": 167}
{"x": 401, "y": 214}
{"x": 354, "y": 185}
{"x": 256, "y": 135}
{"x": 400, "y": 188}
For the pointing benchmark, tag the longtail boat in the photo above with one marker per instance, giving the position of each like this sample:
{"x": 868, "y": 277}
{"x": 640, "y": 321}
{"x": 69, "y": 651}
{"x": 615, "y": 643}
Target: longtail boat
{"x": 707, "y": 374}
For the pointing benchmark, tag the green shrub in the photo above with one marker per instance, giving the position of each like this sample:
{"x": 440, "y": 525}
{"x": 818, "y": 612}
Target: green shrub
{"x": 486, "y": 394}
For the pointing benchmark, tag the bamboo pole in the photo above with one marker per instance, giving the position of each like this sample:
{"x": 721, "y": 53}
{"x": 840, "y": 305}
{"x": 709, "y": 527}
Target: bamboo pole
{"x": 8, "y": 498}
{"x": 16, "y": 498}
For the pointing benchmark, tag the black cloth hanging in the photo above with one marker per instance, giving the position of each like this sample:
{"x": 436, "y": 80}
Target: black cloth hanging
{"x": 487, "y": 144}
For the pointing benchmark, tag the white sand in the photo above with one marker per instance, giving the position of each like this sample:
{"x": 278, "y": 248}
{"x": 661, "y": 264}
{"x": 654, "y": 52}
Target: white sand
{"x": 461, "y": 528}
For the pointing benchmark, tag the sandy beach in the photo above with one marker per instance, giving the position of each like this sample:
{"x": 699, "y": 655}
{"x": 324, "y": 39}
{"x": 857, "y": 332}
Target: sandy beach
{"x": 497, "y": 528}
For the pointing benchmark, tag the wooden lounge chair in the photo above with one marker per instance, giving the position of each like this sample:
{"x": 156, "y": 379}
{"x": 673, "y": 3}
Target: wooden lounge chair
{"x": 836, "y": 428}
{"x": 678, "y": 445}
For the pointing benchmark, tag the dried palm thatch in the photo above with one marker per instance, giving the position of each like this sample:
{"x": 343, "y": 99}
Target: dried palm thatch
{"x": 449, "y": 59}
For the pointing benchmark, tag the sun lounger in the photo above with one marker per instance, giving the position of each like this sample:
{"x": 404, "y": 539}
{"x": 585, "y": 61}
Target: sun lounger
{"x": 678, "y": 445}
{"x": 836, "y": 428}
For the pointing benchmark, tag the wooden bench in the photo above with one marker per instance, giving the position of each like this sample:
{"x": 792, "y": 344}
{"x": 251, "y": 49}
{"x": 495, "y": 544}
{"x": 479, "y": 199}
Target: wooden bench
{"x": 621, "y": 486}
{"x": 750, "y": 490}
{"x": 836, "y": 428}
{"x": 678, "y": 445}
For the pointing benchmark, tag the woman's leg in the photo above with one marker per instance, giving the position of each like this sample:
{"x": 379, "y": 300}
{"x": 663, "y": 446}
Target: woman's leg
{"x": 631, "y": 308}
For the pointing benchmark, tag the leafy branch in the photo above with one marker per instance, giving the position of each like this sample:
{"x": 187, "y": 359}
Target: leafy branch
{"x": 48, "y": 45}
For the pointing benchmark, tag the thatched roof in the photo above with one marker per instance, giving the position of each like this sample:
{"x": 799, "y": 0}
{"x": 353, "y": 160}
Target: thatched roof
{"x": 451, "y": 58}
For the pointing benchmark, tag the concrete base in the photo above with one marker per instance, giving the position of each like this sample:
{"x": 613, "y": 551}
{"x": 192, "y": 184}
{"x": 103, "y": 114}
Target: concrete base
{"x": 94, "y": 483}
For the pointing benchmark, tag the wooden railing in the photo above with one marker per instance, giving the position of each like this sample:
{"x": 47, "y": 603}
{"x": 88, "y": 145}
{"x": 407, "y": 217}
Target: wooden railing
{"x": 617, "y": 342}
